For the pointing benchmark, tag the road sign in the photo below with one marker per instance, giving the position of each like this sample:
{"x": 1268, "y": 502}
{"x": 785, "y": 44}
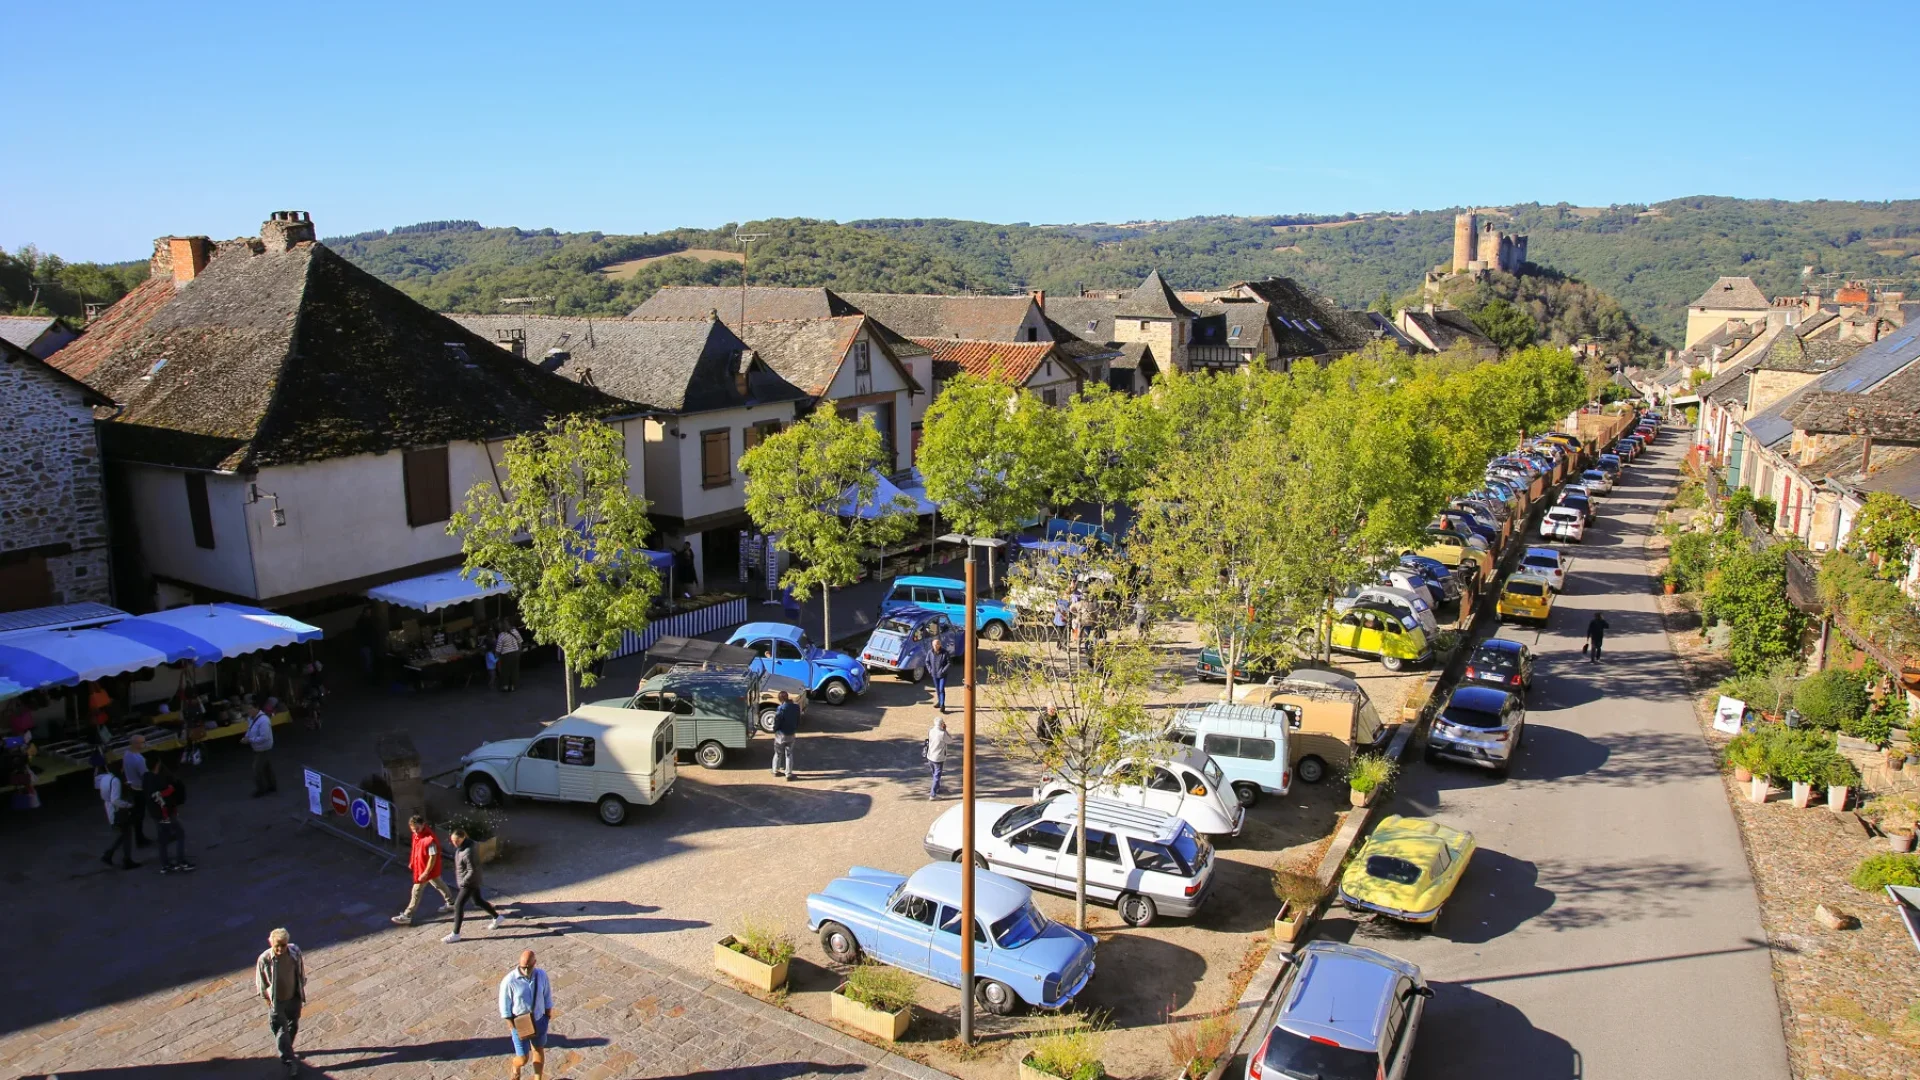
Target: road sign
{"x": 337, "y": 798}
{"x": 362, "y": 813}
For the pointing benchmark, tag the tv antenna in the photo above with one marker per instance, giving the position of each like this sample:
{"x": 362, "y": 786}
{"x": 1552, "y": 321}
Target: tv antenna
{"x": 746, "y": 256}
{"x": 526, "y": 300}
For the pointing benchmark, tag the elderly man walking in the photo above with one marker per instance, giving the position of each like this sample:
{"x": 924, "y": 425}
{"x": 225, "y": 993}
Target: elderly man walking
{"x": 526, "y": 1004}
{"x": 280, "y": 978}
{"x": 938, "y": 739}
{"x": 259, "y": 736}
{"x": 786, "y": 728}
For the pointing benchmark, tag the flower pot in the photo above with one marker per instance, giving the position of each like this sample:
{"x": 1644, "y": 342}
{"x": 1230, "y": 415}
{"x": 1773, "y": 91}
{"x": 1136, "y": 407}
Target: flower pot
{"x": 1742, "y": 774}
{"x": 1802, "y": 794}
{"x": 1291, "y": 921}
{"x": 1758, "y": 789}
{"x": 486, "y": 850}
{"x": 1900, "y": 842}
{"x": 1359, "y": 798}
{"x": 1837, "y": 797}
{"x": 738, "y": 965}
{"x": 875, "y": 1022}
{"x": 1672, "y": 588}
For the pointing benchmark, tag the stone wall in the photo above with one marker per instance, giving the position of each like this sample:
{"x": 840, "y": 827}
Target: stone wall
{"x": 52, "y": 503}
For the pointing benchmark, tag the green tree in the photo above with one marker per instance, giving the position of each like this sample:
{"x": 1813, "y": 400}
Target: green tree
{"x": 1748, "y": 592}
{"x": 800, "y": 481}
{"x": 991, "y": 454}
{"x": 1508, "y": 325}
{"x": 1888, "y": 528}
{"x": 563, "y": 530}
{"x": 1112, "y": 442}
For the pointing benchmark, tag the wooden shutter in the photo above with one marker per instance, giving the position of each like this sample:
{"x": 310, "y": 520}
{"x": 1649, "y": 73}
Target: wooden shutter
{"x": 716, "y": 458}
{"x": 429, "y": 494}
{"x": 198, "y": 511}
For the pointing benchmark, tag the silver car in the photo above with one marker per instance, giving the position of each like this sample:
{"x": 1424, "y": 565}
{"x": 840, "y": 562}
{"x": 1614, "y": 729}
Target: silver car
{"x": 1479, "y": 725}
{"x": 1345, "y": 1013}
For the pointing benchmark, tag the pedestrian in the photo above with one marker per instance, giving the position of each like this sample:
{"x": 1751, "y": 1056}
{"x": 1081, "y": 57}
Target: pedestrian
{"x": 280, "y": 978}
{"x": 686, "y": 566}
{"x": 938, "y": 739}
{"x": 526, "y": 1004}
{"x": 507, "y": 644}
{"x": 260, "y": 736}
{"x": 466, "y": 875}
{"x": 937, "y": 661}
{"x": 493, "y": 668}
{"x": 424, "y": 860}
{"x": 133, "y": 767}
{"x": 1596, "y": 634}
{"x": 168, "y": 793}
{"x": 786, "y": 728}
{"x": 1047, "y": 727}
{"x": 113, "y": 796}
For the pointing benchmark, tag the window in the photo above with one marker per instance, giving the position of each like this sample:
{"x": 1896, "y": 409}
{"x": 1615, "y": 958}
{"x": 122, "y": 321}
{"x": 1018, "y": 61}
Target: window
{"x": 1092, "y": 325}
{"x": 1045, "y": 835}
{"x": 950, "y": 923}
{"x": 862, "y": 358}
{"x": 547, "y": 749}
{"x": 1239, "y": 747}
{"x": 716, "y": 458}
{"x": 1144, "y": 323}
{"x": 1162, "y": 780}
{"x": 576, "y": 750}
{"x": 1050, "y": 397}
{"x": 917, "y": 908}
{"x": 198, "y": 511}
{"x": 756, "y": 434}
{"x": 1148, "y": 856}
{"x": 1033, "y": 333}
{"x": 916, "y": 440}
{"x": 1101, "y": 846}
{"x": 762, "y": 647}
{"x": 785, "y": 650}
{"x": 429, "y": 496}
{"x": 1233, "y": 331}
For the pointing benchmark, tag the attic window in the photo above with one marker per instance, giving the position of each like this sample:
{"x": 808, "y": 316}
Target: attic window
{"x": 1092, "y": 325}
{"x": 1313, "y": 324}
{"x": 1233, "y": 331}
{"x": 1033, "y": 333}
{"x": 155, "y": 369}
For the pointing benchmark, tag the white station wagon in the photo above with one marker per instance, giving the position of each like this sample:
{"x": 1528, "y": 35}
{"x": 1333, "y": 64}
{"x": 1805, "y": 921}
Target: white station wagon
{"x": 1188, "y": 785}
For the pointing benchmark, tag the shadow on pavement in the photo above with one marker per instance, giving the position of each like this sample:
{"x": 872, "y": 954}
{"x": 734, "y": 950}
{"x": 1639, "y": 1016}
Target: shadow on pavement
{"x": 1465, "y": 1033}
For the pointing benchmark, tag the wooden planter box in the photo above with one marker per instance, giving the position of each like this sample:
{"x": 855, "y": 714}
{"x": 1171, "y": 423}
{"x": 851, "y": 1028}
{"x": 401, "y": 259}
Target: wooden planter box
{"x": 487, "y": 850}
{"x": 738, "y": 965}
{"x": 1360, "y": 799}
{"x": 890, "y": 1026}
{"x": 1292, "y": 921}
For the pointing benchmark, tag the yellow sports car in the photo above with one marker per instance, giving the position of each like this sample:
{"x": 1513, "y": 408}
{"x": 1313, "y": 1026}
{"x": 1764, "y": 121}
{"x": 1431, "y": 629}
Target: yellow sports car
{"x": 1407, "y": 869}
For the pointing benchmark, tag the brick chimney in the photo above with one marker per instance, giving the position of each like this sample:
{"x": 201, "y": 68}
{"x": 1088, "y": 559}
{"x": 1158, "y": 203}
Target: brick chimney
{"x": 180, "y": 257}
{"x": 285, "y": 229}
{"x": 1040, "y": 299}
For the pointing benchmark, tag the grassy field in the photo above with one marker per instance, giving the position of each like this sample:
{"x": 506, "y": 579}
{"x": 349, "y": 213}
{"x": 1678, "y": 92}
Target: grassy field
{"x": 632, "y": 266}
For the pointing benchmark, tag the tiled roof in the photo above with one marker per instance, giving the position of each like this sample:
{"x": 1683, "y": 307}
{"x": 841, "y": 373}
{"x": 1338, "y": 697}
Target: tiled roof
{"x": 972, "y": 318}
{"x": 1859, "y": 373}
{"x": 1015, "y": 362}
{"x": 1734, "y": 294}
{"x": 1152, "y": 300}
{"x": 277, "y": 357}
{"x": 1447, "y": 328}
{"x": 763, "y": 302}
{"x": 675, "y": 365}
{"x": 808, "y": 352}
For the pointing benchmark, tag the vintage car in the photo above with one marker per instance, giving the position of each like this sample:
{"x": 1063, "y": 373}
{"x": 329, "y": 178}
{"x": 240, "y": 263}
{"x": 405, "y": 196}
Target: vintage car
{"x": 1368, "y": 629}
{"x": 1210, "y": 665}
{"x": 612, "y": 757}
{"x": 784, "y": 649}
{"x": 713, "y": 711}
{"x": 1186, "y": 784}
{"x": 1412, "y": 608}
{"x": 992, "y": 619}
{"x": 1436, "y": 572}
{"x": 1329, "y": 718}
{"x": 901, "y": 639}
{"x": 1526, "y": 597}
{"x": 1019, "y": 955}
{"x": 1459, "y": 553}
{"x": 1407, "y": 869}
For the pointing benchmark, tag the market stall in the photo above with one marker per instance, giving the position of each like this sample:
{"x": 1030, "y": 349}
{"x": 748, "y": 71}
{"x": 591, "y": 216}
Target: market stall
{"x": 452, "y": 645}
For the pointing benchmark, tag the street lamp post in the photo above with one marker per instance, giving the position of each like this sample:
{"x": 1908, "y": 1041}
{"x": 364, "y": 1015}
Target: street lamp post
{"x": 966, "y": 814}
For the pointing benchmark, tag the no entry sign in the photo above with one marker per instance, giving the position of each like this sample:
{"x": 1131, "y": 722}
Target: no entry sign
{"x": 337, "y": 798}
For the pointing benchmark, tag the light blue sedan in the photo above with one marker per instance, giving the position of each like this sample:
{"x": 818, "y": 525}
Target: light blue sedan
{"x": 914, "y": 923}
{"x": 784, "y": 649}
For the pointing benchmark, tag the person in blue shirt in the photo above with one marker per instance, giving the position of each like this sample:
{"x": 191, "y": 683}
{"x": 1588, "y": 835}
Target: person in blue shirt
{"x": 786, "y": 728}
{"x": 527, "y": 992}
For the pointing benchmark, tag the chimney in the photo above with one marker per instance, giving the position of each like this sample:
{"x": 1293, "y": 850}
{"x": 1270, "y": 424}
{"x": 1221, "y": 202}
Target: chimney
{"x": 181, "y": 256}
{"x": 285, "y": 229}
{"x": 1040, "y": 299}
{"x": 514, "y": 340}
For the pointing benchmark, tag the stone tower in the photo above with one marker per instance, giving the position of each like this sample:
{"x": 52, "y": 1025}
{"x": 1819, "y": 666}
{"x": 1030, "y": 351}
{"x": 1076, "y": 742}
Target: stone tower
{"x": 1465, "y": 227}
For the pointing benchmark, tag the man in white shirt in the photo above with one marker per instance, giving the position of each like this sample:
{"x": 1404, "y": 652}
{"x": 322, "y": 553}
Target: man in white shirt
{"x": 507, "y": 645}
{"x": 113, "y": 796}
{"x": 260, "y": 737}
{"x": 526, "y": 999}
{"x": 938, "y": 739}
{"x": 134, "y": 767}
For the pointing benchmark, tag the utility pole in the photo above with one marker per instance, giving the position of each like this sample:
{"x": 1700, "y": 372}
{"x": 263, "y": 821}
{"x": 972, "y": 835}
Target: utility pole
{"x": 966, "y": 814}
{"x": 746, "y": 256}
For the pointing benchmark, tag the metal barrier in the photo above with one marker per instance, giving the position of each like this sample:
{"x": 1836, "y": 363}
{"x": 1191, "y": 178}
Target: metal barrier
{"x": 353, "y": 814}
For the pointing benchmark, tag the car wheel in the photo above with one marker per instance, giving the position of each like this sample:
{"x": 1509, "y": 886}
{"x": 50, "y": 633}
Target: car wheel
{"x": 1429, "y": 756}
{"x": 1392, "y": 663}
{"x": 1310, "y": 770}
{"x": 839, "y": 944}
{"x": 1246, "y": 794}
{"x": 481, "y": 792}
{"x": 994, "y": 631}
{"x": 613, "y": 810}
{"x": 765, "y": 720}
{"x": 995, "y": 997}
{"x": 1137, "y": 910}
{"x": 836, "y": 692}
{"x": 710, "y": 755}
{"x": 914, "y": 675}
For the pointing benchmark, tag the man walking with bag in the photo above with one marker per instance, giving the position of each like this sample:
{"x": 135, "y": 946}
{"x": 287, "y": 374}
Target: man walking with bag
{"x": 466, "y": 874}
{"x": 1596, "y": 634}
{"x": 168, "y": 793}
{"x": 424, "y": 860}
{"x": 938, "y": 739}
{"x": 259, "y": 736}
{"x": 526, "y": 1004}
{"x": 280, "y": 978}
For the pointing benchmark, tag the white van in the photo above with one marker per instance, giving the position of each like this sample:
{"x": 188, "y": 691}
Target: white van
{"x": 602, "y": 754}
{"x": 1248, "y": 742}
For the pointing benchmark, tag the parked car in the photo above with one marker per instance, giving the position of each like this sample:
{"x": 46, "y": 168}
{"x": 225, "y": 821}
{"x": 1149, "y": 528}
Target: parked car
{"x": 1019, "y": 955}
{"x": 901, "y": 640}
{"x": 1502, "y": 663}
{"x": 713, "y": 711}
{"x": 1186, "y": 784}
{"x": 1345, "y": 1013}
{"x": 1250, "y": 744}
{"x": 1369, "y": 629}
{"x": 1411, "y": 609}
{"x": 1210, "y": 666}
{"x": 1611, "y": 464}
{"x": 1627, "y": 449}
{"x": 1563, "y": 523}
{"x": 1525, "y": 596}
{"x": 1434, "y": 571}
{"x": 1479, "y": 725}
{"x": 1469, "y": 558}
{"x": 1407, "y": 869}
{"x": 1412, "y": 581}
{"x": 993, "y": 620}
{"x": 1142, "y": 861}
{"x": 784, "y": 649}
{"x": 1486, "y": 529}
{"x": 1547, "y": 563}
{"x": 1597, "y": 481}
{"x": 1507, "y": 493}
{"x": 1329, "y": 719}
{"x": 611, "y": 757}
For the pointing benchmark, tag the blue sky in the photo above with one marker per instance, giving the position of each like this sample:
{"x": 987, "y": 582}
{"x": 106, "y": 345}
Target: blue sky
{"x": 150, "y": 119}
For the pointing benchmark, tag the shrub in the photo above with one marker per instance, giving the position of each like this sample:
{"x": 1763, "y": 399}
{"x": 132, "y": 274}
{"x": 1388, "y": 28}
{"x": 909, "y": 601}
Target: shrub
{"x": 1691, "y": 496}
{"x": 1832, "y": 698}
{"x": 1070, "y": 1049}
{"x": 1876, "y": 872}
{"x": 1200, "y": 1045}
{"x": 1746, "y": 751}
{"x": 1296, "y": 888}
{"x": 764, "y": 943}
{"x": 1813, "y": 766}
{"x": 1369, "y": 772}
{"x": 1767, "y": 691}
{"x": 878, "y": 986}
{"x": 1839, "y": 772}
{"x": 1748, "y": 592}
{"x": 477, "y": 824}
{"x": 1783, "y": 751}
{"x": 1893, "y": 813}
{"x": 1688, "y": 561}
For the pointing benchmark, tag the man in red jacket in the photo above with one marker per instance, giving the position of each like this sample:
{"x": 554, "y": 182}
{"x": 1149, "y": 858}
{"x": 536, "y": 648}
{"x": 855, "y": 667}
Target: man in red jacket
{"x": 425, "y": 863}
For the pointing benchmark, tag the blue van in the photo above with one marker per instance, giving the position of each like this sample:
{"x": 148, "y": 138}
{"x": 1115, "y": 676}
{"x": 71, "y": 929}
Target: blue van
{"x": 993, "y": 620}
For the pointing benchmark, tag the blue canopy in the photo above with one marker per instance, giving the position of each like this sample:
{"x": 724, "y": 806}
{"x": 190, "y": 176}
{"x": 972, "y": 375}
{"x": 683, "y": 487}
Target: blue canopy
{"x": 659, "y": 560}
{"x": 1054, "y": 547}
{"x": 887, "y": 499}
{"x": 30, "y": 671}
{"x": 916, "y": 489}
{"x": 176, "y": 644}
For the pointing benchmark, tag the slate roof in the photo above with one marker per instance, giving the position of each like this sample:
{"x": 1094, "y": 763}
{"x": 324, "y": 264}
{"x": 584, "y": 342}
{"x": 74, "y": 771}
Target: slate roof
{"x": 1308, "y": 323}
{"x": 1152, "y": 300}
{"x": 1447, "y": 327}
{"x": 671, "y": 365}
{"x": 15, "y": 354}
{"x": 972, "y": 318}
{"x": 763, "y": 302}
{"x": 1860, "y": 373}
{"x": 808, "y": 352}
{"x": 1734, "y": 294}
{"x": 279, "y": 357}
{"x": 1016, "y": 362}
{"x": 26, "y": 330}
{"x": 1247, "y": 316}
{"x": 1880, "y": 414}
{"x": 1730, "y": 386}
{"x": 1792, "y": 352}
{"x": 1136, "y": 356}
{"x": 1089, "y": 318}
{"x": 1384, "y": 330}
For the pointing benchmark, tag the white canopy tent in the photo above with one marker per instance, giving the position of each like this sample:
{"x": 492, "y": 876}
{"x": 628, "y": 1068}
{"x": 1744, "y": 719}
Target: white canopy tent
{"x": 432, "y": 592}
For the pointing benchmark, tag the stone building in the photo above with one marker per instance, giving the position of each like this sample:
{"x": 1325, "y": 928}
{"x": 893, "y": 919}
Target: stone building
{"x": 1479, "y": 248}
{"x": 53, "y": 512}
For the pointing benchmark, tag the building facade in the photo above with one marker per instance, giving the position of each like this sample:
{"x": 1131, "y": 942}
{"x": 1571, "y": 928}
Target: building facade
{"x": 53, "y": 510}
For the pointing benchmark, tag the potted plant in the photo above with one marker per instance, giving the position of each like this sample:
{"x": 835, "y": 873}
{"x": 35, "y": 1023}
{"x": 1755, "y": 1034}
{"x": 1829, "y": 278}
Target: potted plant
{"x": 756, "y": 955}
{"x": 1896, "y": 816}
{"x": 876, "y": 999}
{"x": 1745, "y": 753}
{"x": 1367, "y": 775}
{"x": 1841, "y": 777}
{"x": 1070, "y": 1050}
{"x": 1299, "y": 900}
{"x": 1198, "y": 1046}
{"x": 1801, "y": 768}
{"x": 482, "y": 827}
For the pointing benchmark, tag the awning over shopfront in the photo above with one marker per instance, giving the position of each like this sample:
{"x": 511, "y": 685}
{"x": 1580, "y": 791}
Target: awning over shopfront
{"x": 174, "y": 642}
{"x": 40, "y": 658}
{"x": 431, "y": 592}
{"x": 887, "y": 499}
{"x": 230, "y": 629}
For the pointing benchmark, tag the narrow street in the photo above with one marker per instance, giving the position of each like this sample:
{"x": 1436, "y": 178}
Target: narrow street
{"x": 1607, "y": 926}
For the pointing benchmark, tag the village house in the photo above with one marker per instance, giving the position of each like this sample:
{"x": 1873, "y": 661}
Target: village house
{"x": 288, "y": 429}
{"x": 1727, "y": 298}
{"x": 53, "y": 507}
{"x": 1039, "y": 367}
{"x": 40, "y": 336}
{"x": 1440, "y": 329}
{"x": 849, "y": 364}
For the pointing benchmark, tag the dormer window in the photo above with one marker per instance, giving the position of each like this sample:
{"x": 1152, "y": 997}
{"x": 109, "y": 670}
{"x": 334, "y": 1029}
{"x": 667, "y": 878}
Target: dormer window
{"x": 1033, "y": 333}
{"x": 1092, "y": 325}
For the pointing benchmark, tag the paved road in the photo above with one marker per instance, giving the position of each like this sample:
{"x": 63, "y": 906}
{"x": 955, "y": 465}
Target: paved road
{"x": 1608, "y": 926}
